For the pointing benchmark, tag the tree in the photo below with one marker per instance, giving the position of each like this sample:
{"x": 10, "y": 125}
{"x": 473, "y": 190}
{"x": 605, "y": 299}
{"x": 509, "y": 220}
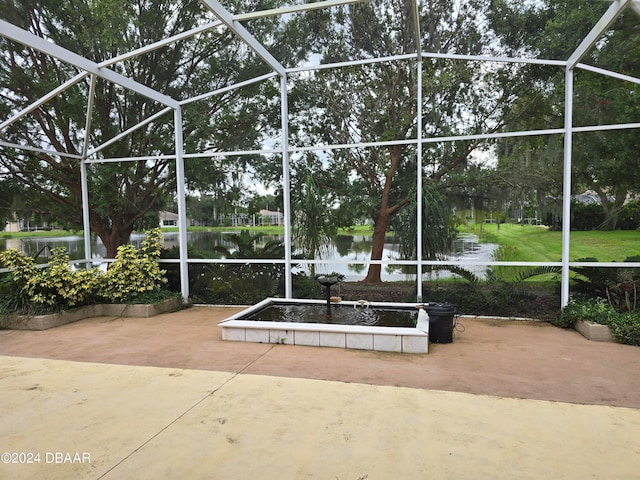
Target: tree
{"x": 127, "y": 195}
{"x": 529, "y": 173}
{"x": 264, "y": 202}
{"x": 8, "y": 192}
{"x": 605, "y": 161}
{"x": 249, "y": 282}
{"x": 314, "y": 227}
{"x": 438, "y": 231}
{"x": 378, "y": 102}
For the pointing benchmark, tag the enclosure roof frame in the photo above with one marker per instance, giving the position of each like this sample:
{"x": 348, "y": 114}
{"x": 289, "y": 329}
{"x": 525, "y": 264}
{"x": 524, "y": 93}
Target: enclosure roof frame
{"x": 101, "y": 70}
{"x": 24, "y": 37}
{"x": 606, "y": 21}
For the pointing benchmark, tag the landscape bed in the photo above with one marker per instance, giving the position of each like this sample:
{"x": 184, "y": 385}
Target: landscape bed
{"x": 52, "y": 320}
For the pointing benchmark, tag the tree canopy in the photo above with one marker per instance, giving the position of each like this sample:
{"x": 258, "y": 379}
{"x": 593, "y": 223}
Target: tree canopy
{"x": 378, "y": 102}
{"x": 124, "y": 195}
{"x": 603, "y": 161}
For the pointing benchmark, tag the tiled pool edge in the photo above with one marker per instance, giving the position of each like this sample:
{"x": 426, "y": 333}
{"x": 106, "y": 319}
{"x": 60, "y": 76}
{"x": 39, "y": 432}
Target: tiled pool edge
{"x": 384, "y": 339}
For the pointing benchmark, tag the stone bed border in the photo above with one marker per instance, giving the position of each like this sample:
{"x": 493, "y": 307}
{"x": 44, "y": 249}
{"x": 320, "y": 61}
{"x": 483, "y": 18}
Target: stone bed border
{"x": 595, "y": 331}
{"x": 44, "y": 322}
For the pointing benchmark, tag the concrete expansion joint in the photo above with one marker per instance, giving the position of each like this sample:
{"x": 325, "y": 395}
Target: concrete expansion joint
{"x": 242, "y": 370}
{"x": 163, "y": 429}
{"x": 183, "y": 414}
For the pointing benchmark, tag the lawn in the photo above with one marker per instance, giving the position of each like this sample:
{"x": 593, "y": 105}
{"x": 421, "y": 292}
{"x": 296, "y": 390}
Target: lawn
{"x": 538, "y": 244}
{"x": 40, "y": 233}
{"x": 267, "y": 229}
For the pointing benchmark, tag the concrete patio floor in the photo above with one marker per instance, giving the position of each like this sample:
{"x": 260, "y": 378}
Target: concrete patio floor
{"x": 164, "y": 397}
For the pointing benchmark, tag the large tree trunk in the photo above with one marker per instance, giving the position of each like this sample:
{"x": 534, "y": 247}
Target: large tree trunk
{"x": 113, "y": 237}
{"x": 113, "y": 234}
{"x": 383, "y": 217}
{"x": 380, "y": 226}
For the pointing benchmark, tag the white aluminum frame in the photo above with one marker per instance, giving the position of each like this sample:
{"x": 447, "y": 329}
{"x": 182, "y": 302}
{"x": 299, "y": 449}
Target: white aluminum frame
{"x": 226, "y": 19}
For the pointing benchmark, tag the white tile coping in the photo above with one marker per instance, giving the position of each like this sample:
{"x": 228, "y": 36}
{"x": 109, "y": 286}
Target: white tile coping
{"x": 388, "y": 339}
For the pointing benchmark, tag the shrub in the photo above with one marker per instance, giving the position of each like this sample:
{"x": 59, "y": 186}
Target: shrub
{"x": 29, "y": 288}
{"x": 13, "y": 285}
{"x": 135, "y": 272}
{"x": 59, "y": 285}
{"x": 624, "y": 293}
{"x": 587, "y": 216}
{"x": 303, "y": 286}
{"x": 592, "y": 310}
{"x": 618, "y": 284}
{"x": 629, "y": 216}
{"x": 625, "y": 327}
{"x": 45, "y": 289}
{"x": 242, "y": 283}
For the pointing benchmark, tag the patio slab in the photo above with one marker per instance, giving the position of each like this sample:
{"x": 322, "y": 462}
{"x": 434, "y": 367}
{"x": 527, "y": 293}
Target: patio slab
{"x": 149, "y": 423}
{"x": 515, "y": 359}
{"x": 165, "y": 397}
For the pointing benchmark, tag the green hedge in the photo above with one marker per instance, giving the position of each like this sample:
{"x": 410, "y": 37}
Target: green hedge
{"x": 29, "y": 289}
{"x": 625, "y": 326}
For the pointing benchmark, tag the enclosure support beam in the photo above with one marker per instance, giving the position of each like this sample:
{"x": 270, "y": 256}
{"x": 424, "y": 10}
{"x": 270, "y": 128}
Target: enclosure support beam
{"x": 86, "y": 225}
{"x": 87, "y": 123}
{"x": 86, "y": 220}
{"x": 286, "y": 187}
{"x": 28, "y": 148}
{"x": 182, "y": 205}
{"x": 416, "y": 30}
{"x": 30, "y": 40}
{"x": 599, "y": 29}
{"x": 609, "y": 73}
{"x": 129, "y": 131}
{"x": 566, "y": 184}
{"x": 211, "y": 25}
{"x": 419, "y": 252}
{"x": 44, "y": 99}
{"x": 237, "y": 28}
{"x": 305, "y": 7}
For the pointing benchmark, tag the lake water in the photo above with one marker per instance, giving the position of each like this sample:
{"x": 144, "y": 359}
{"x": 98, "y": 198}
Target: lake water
{"x": 342, "y": 257}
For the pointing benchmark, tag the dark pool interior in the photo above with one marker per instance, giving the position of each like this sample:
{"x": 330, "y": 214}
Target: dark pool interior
{"x": 340, "y": 314}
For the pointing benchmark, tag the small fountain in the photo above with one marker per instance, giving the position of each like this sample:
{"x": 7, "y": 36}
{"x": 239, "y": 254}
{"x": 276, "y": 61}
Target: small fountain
{"x": 364, "y": 325}
{"x": 327, "y": 281}
{"x": 381, "y": 326}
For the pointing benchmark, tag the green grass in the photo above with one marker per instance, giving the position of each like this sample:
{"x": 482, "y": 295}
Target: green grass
{"x": 358, "y": 230}
{"x": 537, "y": 244}
{"x": 46, "y": 233}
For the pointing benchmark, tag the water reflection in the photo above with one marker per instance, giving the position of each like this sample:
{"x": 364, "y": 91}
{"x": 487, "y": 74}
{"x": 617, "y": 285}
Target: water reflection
{"x": 346, "y": 256}
{"x": 351, "y": 249}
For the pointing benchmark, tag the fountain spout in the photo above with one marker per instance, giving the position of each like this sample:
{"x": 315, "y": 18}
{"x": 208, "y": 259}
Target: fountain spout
{"x": 327, "y": 281}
